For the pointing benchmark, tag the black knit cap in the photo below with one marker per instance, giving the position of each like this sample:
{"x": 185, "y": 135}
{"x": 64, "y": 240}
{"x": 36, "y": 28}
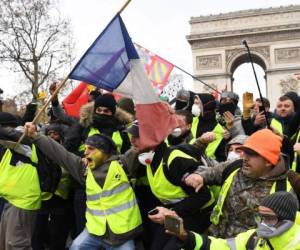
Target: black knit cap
{"x": 208, "y": 102}
{"x": 106, "y": 100}
{"x": 284, "y": 204}
{"x": 55, "y": 127}
{"x": 103, "y": 143}
{"x": 8, "y": 119}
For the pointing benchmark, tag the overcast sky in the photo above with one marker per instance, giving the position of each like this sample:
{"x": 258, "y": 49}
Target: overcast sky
{"x": 159, "y": 25}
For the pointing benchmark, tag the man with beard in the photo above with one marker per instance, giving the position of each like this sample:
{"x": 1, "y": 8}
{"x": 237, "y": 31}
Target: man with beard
{"x": 262, "y": 170}
{"x": 112, "y": 214}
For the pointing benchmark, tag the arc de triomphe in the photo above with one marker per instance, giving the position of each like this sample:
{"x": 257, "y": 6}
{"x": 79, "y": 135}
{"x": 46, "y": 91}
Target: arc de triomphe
{"x": 273, "y": 35}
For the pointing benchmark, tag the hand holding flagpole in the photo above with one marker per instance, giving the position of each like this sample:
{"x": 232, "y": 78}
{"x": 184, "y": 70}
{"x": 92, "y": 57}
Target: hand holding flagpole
{"x": 260, "y": 95}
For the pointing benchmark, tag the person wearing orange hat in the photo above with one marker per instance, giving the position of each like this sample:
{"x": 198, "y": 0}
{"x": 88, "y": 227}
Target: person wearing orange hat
{"x": 245, "y": 182}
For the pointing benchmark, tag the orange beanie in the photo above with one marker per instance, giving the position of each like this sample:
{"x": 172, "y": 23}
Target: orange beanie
{"x": 266, "y": 144}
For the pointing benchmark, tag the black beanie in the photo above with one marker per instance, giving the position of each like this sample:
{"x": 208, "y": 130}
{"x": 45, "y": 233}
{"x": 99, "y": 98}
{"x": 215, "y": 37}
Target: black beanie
{"x": 284, "y": 204}
{"x": 106, "y": 100}
{"x": 8, "y": 119}
{"x": 208, "y": 102}
{"x": 55, "y": 127}
{"x": 103, "y": 143}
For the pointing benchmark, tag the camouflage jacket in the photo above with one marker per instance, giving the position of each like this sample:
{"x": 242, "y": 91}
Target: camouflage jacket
{"x": 242, "y": 198}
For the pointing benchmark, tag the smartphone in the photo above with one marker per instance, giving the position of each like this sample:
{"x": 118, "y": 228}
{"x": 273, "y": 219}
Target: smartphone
{"x": 153, "y": 211}
{"x": 172, "y": 224}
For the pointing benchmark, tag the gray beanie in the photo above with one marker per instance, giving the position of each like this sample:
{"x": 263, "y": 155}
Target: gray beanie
{"x": 284, "y": 204}
{"x": 239, "y": 139}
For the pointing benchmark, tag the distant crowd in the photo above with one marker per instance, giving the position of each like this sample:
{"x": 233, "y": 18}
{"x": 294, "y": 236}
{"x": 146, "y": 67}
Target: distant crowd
{"x": 225, "y": 178}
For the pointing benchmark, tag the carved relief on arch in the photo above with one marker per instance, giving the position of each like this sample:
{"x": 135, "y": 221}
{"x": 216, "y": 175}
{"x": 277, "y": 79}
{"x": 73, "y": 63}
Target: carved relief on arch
{"x": 262, "y": 52}
{"x": 289, "y": 84}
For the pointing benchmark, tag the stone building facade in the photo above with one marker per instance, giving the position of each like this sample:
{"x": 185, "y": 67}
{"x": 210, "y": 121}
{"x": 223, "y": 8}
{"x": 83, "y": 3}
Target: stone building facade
{"x": 273, "y": 35}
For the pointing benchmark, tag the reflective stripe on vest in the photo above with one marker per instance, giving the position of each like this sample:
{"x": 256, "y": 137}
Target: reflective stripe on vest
{"x": 211, "y": 147}
{"x": 116, "y": 137}
{"x": 277, "y": 125}
{"x": 294, "y": 164}
{"x": 20, "y": 184}
{"x": 113, "y": 210}
{"x": 162, "y": 188}
{"x": 217, "y": 211}
{"x": 231, "y": 243}
{"x": 114, "y": 204}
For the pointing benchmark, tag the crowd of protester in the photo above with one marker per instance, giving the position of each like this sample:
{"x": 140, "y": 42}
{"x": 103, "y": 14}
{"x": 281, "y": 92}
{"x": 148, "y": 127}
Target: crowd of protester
{"x": 226, "y": 178}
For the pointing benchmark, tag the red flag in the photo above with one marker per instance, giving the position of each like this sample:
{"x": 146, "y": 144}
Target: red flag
{"x": 78, "y": 97}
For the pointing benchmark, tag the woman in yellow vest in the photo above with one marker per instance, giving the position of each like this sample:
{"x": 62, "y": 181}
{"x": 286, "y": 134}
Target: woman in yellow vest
{"x": 275, "y": 229}
{"x": 112, "y": 214}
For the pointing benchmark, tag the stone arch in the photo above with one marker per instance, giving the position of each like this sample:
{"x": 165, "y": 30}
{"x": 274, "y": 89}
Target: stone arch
{"x": 273, "y": 35}
{"x": 242, "y": 57}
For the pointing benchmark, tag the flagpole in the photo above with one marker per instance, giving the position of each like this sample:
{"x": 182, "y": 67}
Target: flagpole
{"x": 45, "y": 106}
{"x": 124, "y": 6}
{"x": 189, "y": 74}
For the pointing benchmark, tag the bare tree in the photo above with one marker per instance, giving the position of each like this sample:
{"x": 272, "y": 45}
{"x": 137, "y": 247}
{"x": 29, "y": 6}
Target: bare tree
{"x": 35, "y": 40}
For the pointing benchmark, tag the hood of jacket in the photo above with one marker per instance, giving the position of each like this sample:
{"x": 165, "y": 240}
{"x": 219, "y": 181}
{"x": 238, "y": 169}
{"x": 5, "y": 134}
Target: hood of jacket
{"x": 87, "y": 111}
{"x": 280, "y": 170}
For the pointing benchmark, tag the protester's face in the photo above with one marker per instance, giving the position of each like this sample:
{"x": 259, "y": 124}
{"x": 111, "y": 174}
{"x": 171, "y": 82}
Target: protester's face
{"x": 235, "y": 148}
{"x": 284, "y": 108}
{"x": 184, "y": 126}
{"x": 258, "y": 104}
{"x": 254, "y": 166}
{"x": 267, "y": 216}
{"x": 103, "y": 111}
{"x": 94, "y": 156}
{"x": 226, "y": 100}
{"x": 54, "y": 135}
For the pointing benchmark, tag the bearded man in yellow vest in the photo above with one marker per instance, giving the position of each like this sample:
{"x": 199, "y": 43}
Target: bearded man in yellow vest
{"x": 261, "y": 171}
{"x": 112, "y": 214}
{"x": 19, "y": 186}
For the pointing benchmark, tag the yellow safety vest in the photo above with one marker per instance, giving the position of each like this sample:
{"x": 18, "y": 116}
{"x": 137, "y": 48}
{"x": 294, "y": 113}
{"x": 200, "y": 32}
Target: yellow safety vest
{"x": 116, "y": 137}
{"x": 164, "y": 190}
{"x": 277, "y": 125}
{"x": 20, "y": 184}
{"x": 115, "y": 204}
{"x": 211, "y": 147}
{"x": 294, "y": 164}
{"x": 217, "y": 211}
{"x": 289, "y": 240}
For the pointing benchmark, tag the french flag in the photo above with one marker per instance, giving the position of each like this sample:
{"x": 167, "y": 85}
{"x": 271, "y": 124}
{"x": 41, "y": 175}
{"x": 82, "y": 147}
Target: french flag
{"x": 112, "y": 63}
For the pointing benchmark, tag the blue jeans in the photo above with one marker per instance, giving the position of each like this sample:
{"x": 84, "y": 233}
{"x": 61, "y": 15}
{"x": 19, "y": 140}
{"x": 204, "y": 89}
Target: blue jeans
{"x": 87, "y": 241}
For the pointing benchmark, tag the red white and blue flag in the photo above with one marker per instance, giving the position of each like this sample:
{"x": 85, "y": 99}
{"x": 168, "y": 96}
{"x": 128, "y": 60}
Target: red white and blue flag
{"x": 112, "y": 63}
